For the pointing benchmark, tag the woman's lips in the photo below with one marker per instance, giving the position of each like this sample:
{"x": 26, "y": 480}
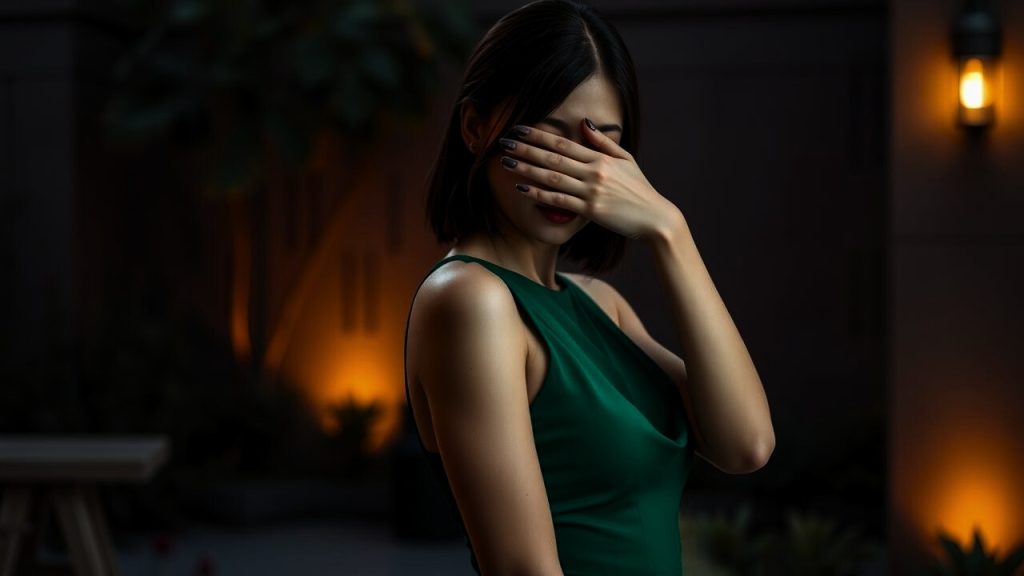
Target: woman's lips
{"x": 556, "y": 215}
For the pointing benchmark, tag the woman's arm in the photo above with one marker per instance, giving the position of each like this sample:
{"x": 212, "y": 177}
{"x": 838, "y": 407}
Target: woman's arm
{"x": 472, "y": 357}
{"x": 627, "y": 320}
{"x": 721, "y": 382}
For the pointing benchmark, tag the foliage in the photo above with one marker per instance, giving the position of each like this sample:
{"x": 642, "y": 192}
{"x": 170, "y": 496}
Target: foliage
{"x": 810, "y": 545}
{"x": 723, "y": 544}
{"x": 355, "y": 422}
{"x": 814, "y": 545}
{"x": 150, "y": 372}
{"x": 978, "y": 561}
{"x": 230, "y": 79}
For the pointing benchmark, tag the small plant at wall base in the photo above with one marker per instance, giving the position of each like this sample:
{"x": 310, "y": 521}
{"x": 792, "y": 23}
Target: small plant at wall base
{"x": 814, "y": 545}
{"x": 719, "y": 545}
{"x": 351, "y": 439}
{"x": 978, "y": 561}
{"x": 810, "y": 545}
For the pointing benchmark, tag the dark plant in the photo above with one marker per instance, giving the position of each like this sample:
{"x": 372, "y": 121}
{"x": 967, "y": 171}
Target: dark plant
{"x": 355, "y": 421}
{"x": 814, "y": 545}
{"x": 234, "y": 80}
{"x": 249, "y": 98}
{"x": 725, "y": 541}
{"x": 810, "y": 545}
{"x": 978, "y": 561}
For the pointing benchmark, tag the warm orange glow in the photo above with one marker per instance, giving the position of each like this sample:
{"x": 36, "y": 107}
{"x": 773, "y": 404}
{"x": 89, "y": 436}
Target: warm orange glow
{"x": 976, "y": 498}
{"x": 974, "y": 89}
{"x": 972, "y": 481}
{"x": 306, "y": 345}
{"x": 318, "y": 258}
{"x": 240, "y": 281}
{"x": 329, "y": 364}
{"x": 361, "y": 370}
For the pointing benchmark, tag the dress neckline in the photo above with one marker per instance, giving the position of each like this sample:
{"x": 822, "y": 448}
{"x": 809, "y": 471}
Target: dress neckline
{"x": 559, "y": 277}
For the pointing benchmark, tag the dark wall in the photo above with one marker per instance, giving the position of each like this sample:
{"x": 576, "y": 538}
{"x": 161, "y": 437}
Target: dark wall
{"x": 36, "y": 194}
{"x": 956, "y": 279}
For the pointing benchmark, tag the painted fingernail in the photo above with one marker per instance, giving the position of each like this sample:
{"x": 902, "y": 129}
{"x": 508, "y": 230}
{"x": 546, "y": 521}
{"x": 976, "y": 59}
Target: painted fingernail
{"x": 508, "y": 162}
{"x": 507, "y": 144}
{"x": 590, "y": 124}
{"x": 522, "y": 188}
{"x": 520, "y": 130}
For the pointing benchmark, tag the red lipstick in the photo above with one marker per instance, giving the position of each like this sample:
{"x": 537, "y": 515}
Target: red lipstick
{"x": 557, "y": 215}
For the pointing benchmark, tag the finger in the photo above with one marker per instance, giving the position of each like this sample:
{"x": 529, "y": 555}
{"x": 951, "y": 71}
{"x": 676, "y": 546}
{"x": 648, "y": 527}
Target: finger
{"x": 548, "y": 179}
{"x": 553, "y": 142}
{"x": 601, "y": 141}
{"x": 544, "y": 158}
{"x": 552, "y": 198}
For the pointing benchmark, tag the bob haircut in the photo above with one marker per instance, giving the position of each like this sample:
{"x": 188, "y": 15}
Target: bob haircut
{"x": 524, "y": 67}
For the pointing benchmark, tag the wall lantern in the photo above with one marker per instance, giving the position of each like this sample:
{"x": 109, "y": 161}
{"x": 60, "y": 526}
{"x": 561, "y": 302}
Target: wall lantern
{"x": 976, "y": 46}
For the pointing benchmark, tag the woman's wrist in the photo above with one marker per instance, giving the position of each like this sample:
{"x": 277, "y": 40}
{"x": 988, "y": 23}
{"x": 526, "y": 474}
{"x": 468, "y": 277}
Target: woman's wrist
{"x": 671, "y": 232}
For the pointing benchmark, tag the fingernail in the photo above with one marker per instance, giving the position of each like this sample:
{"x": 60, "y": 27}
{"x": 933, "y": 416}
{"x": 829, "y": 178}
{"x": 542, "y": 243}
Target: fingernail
{"x": 508, "y": 162}
{"x": 507, "y": 144}
{"x": 522, "y": 188}
{"x": 590, "y": 124}
{"x": 520, "y": 130}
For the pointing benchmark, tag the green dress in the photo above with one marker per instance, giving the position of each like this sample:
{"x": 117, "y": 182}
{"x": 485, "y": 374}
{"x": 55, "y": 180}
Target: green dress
{"x": 611, "y": 434}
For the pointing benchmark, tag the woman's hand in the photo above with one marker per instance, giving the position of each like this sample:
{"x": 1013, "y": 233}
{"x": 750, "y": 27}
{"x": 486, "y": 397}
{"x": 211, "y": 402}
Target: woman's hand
{"x": 603, "y": 183}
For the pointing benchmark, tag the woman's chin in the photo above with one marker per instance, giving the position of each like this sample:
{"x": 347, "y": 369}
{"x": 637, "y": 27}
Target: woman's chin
{"x": 560, "y": 234}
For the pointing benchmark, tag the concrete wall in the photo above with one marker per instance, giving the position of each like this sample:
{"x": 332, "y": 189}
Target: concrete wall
{"x": 956, "y": 276}
{"x": 36, "y": 192}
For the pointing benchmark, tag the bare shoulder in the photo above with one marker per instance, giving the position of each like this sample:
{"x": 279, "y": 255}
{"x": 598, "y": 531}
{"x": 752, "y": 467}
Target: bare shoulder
{"x": 462, "y": 310}
{"x": 600, "y": 291}
{"x": 463, "y": 288}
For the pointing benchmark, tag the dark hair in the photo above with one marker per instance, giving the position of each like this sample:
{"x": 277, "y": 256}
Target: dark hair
{"x": 527, "y": 64}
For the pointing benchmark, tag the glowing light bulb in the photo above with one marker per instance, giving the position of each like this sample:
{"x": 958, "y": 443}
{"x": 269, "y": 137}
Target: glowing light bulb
{"x": 978, "y": 77}
{"x": 972, "y": 85}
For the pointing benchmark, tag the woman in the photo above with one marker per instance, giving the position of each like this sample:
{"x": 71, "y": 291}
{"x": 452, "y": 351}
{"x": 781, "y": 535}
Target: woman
{"x": 564, "y": 431}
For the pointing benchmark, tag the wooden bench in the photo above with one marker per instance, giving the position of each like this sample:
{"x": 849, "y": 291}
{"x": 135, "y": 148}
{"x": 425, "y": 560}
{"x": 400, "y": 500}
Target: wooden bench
{"x": 65, "y": 471}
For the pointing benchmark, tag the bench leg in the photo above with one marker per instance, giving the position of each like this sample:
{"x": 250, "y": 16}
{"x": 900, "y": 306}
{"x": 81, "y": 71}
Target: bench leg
{"x": 85, "y": 531}
{"x": 13, "y": 522}
{"x": 92, "y": 501}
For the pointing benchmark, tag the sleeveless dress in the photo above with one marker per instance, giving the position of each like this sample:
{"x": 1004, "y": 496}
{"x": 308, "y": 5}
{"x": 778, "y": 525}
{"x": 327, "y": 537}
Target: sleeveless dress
{"x": 611, "y": 434}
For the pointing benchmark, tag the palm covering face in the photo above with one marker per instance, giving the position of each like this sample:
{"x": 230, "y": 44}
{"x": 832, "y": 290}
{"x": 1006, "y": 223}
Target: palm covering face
{"x": 602, "y": 183}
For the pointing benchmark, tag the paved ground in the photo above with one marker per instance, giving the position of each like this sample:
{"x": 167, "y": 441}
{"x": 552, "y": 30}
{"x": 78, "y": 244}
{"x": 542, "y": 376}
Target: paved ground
{"x": 307, "y": 548}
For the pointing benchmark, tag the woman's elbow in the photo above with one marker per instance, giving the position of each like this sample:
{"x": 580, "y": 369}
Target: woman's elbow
{"x": 750, "y": 458}
{"x": 756, "y": 456}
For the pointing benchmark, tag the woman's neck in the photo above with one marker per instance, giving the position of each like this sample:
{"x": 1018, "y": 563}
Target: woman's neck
{"x": 532, "y": 259}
